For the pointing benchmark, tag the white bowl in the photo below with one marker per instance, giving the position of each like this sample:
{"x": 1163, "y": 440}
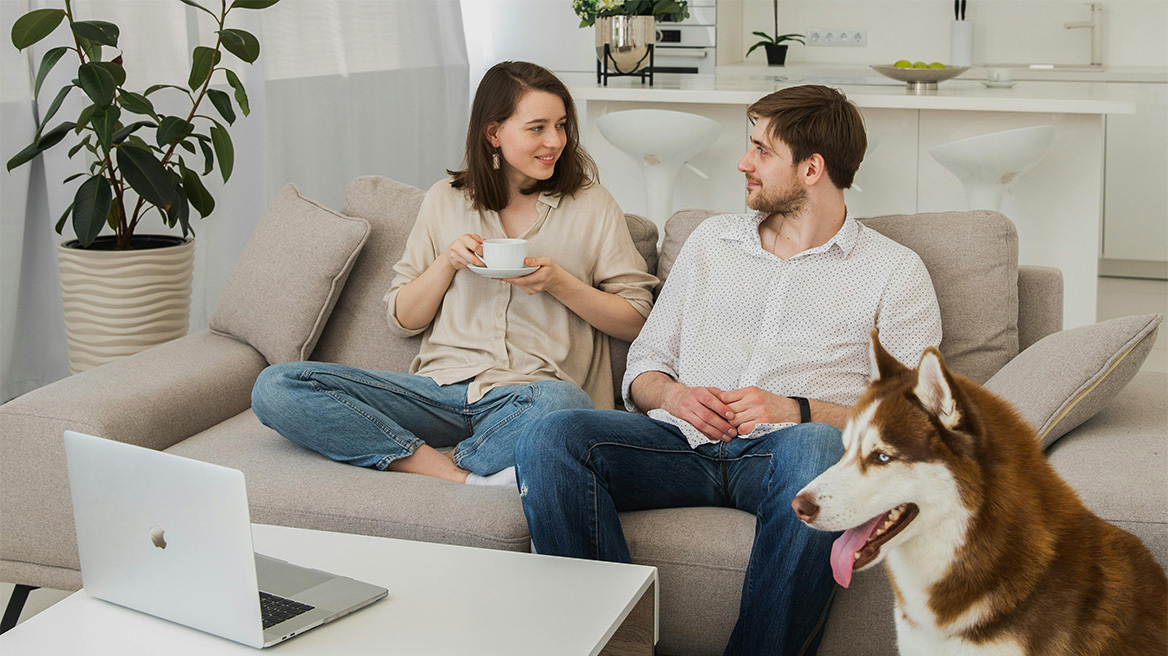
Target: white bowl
{"x": 920, "y": 78}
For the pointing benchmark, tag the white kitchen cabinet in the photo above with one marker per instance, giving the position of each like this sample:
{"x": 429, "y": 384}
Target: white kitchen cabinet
{"x": 1135, "y": 209}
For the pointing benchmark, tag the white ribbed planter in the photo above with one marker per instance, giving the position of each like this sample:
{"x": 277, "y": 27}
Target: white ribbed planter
{"x": 120, "y": 302}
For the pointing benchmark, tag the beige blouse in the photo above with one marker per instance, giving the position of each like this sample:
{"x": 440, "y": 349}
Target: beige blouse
{"x": 492, "y": 333}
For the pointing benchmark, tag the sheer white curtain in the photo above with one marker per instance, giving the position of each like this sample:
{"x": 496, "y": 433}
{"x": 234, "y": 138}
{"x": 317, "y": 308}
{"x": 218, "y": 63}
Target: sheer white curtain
{"x": 342, "y": 88}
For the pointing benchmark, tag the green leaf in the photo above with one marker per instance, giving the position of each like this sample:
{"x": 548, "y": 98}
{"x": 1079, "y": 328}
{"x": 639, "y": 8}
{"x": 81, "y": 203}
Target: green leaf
{"x": 97, "y": 83}
{"x": 146, "y": 175}
{"x": 47, "y": 63}
{"x": 240, "y": 94}
{"x": 241, "y": 44}
{"x": 186, "y": 145}
{"x": 171, "y": 129}
{"x": 34, "y": 26}
{"x": 30, "y": 151}
{"x": 92, "y": 50}
{"x": 111, "y": 219}
{"x": 156, "y": 87}
{"x": 222, "y": 102}
{"x": 196, "y": 5}
{"x": 61, "y": 222}
{"x": 196, "y": 193}
{"x": 104, "y": 123}
{"x": 56, "y": 104}
{"x": 208, "y": 156}
{"x": 83, "y": 119}
{"x": 72, "y": 178}
{"x": 180, "y": 211}
{"x": 202, "y": 61}
{"x": 121, "y": 135}
{"x": 84, "y": 143}
{"x": 253, "y": 4}
{"x": 223, "y": 150}
{"x": 115, "y": 70}
{"x": 102, "y": 32}
{"x": 90, "y": 207}
{"x": 137, "y": 104}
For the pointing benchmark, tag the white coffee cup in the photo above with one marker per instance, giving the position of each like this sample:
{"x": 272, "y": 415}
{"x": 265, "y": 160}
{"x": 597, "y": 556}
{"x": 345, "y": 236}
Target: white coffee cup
{"x": 999, "y": 75}
{"x": 504, "y": 253}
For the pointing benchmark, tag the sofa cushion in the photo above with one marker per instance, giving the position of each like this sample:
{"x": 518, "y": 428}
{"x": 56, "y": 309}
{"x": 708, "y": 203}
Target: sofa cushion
{"x": 1115, "y": 461}
{"x": 291, "y": 486}
{"x": 972, "y": 258}
{"x": 1065, "y": 378}
{"x": 289, "y": 277}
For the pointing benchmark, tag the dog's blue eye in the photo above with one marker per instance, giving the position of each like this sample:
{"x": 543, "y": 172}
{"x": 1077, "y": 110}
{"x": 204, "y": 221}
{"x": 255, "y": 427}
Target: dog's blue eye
{"x": 883, "y": 457}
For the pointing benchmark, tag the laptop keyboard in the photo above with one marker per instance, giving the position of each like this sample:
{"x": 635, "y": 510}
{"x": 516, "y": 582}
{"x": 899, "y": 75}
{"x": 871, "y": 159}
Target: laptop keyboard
{"x": 278, "y": 609}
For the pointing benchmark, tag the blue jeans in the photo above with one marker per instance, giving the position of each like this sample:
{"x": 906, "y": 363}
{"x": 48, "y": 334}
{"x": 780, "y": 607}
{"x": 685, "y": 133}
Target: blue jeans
{"x": 371, "y": 418}
{"x": 578, "y": 469}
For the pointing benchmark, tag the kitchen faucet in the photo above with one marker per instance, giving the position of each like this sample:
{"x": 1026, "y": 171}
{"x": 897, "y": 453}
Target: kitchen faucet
{"x": 1095, "y": 25}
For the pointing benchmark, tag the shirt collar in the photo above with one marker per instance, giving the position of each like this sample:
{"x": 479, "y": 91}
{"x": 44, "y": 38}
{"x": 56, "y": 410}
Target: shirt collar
{"x": 551, "y": 200}
{"x": 745, "y": 229}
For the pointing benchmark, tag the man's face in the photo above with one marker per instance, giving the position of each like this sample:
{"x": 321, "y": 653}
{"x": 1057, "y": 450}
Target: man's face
{"x": 772, "y": 181}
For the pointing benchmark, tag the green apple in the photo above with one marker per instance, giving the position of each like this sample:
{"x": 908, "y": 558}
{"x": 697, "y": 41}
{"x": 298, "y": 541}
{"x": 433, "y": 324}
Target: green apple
{"x": 903, "y": 63}
{"x": 936, "y": 65}
{"x": 920, "y": 64}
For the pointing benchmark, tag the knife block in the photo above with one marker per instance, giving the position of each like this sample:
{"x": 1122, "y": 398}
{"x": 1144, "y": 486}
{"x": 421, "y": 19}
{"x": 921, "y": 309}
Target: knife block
{"x": 960, "y": 43}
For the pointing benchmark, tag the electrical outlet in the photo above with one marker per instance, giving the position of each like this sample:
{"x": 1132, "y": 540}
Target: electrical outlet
{"x": 819, "y": 36}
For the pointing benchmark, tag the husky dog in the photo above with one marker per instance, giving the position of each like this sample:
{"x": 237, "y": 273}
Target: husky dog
{"x": 987, "y": 549}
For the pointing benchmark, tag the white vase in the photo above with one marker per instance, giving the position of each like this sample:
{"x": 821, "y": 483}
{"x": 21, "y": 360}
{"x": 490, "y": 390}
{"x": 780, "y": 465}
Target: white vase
{"x": 628, "y": 39}
{"x": 118, "y": 303}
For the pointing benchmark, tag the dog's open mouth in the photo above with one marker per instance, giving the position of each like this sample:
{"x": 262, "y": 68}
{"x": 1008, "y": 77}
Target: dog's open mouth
{"x": 859, "y": 546}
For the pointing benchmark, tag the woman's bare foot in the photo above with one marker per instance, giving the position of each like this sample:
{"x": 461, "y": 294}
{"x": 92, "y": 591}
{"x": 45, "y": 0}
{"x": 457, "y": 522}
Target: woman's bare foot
{"x": 429, "y": 461}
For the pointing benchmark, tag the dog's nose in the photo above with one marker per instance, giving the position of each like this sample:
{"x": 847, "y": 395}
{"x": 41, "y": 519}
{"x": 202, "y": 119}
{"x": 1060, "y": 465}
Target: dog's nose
{"x": 805, "y": 509}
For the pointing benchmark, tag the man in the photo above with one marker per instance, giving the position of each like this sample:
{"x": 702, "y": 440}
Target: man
{"x": 746, "y": 368}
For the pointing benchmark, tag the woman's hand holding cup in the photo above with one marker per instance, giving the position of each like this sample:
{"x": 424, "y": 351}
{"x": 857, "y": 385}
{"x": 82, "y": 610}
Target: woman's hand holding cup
{"x": 465, "y": 251}
{"x": 544, "y": 279}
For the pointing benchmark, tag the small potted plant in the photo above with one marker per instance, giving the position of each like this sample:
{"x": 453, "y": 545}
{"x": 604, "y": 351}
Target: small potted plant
{"x": 128, "y": 291}
{"x": 775, "y": 45}
{"x": 627, "y": 27}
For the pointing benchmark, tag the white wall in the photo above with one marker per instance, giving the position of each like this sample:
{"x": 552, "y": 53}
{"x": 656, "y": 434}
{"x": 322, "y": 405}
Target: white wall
{"x": 1014, "y": 31}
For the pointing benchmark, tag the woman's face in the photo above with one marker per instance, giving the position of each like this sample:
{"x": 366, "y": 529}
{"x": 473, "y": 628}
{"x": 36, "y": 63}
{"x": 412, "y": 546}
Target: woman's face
{"x": 532, "y": 139}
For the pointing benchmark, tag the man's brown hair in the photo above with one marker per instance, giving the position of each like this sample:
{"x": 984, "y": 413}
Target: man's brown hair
{"x": 816, "y": 119}
{"x": 495, "y": 100}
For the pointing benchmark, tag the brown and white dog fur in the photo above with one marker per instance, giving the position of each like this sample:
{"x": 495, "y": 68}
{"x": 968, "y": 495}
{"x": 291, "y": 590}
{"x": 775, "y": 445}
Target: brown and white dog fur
{"x": 987, "y": 549}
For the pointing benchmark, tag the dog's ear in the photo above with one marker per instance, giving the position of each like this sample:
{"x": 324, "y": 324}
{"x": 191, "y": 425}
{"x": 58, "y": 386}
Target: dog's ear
{"x": 881, "y": 362}
{"x": 935, "y": 389}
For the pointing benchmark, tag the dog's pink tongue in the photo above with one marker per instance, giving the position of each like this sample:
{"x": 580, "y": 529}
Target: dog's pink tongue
{"x": 843, "y": 550}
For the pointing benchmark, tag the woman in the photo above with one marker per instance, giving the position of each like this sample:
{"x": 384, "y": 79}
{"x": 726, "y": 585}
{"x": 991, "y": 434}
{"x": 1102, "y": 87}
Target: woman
{"x": 496, "y": 355}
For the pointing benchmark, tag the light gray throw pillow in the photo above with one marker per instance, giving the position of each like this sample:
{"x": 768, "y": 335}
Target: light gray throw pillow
{"x": 1063, "y": 379}
{"x": 289, "y": 277}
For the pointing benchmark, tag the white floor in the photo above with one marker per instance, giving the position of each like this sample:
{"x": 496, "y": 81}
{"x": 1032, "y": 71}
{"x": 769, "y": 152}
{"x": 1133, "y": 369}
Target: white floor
{"x": 1118, "y": 297}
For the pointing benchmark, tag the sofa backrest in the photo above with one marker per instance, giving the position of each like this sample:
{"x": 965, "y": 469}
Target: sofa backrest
{"x": 357, "y": 333}
{"x": 972, "y": 258}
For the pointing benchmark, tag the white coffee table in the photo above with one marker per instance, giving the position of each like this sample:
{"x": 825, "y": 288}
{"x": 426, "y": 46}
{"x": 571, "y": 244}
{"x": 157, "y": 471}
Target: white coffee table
{"x": 442, "y": 599}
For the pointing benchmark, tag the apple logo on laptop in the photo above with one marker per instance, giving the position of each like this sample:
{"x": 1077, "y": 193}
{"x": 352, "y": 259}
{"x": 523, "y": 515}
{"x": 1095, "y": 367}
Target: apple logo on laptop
{"x": 156, "y": 537}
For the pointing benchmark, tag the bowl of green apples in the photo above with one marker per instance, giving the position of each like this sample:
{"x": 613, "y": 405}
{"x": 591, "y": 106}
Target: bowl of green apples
{"x": 920, "y": 76}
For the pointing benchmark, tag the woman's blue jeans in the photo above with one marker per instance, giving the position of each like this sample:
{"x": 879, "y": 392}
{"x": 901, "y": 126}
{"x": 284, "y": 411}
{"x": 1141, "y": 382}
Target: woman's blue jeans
{"x": 371, "y": 418}
{"x": 578, "y": 469}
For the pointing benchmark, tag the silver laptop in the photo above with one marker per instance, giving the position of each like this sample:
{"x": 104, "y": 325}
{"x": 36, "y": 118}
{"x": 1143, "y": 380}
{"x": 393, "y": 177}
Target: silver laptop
{"x": 171, "y": 537}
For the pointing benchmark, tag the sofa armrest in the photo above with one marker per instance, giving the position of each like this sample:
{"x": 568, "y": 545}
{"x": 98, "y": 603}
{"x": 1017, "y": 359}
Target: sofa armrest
{"x": 1040, "y": 303}
{"x": 155, "y": 399}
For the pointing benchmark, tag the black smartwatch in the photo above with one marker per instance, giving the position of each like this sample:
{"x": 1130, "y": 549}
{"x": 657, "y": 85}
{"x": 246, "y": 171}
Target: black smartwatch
{"x": 804, "y": 409}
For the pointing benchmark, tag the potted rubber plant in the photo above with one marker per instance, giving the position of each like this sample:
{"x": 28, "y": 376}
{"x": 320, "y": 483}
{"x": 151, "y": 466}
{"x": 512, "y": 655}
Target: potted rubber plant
{"x": 775, "y": 44}
{"x": 125, "y": 291}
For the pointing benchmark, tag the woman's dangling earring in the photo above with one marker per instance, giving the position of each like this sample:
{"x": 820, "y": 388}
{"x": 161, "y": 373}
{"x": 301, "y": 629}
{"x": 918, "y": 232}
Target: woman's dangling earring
{"x": 495, "y": 161}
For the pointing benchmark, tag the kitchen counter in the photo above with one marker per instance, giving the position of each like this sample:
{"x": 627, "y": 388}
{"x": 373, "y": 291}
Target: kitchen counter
{"x": 871, "y": 90}
{"x": 1150, "y": 74}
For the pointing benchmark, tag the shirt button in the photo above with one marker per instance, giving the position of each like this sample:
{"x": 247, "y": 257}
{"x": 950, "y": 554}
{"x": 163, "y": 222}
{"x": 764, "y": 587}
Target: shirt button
{"x": 499, "y": 314}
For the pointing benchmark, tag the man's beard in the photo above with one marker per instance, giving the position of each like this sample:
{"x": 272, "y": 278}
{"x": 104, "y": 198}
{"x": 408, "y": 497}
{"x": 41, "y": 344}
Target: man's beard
{"x": 786, "y": 202}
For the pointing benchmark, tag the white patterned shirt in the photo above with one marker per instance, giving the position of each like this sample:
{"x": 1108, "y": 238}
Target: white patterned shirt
{"x": 733, "y": 315}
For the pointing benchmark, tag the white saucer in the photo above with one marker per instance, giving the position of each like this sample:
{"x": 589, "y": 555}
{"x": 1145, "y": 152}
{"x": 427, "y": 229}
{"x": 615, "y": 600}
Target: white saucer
{"x": 998, "y": 85}
{"x": 501, "y": 273}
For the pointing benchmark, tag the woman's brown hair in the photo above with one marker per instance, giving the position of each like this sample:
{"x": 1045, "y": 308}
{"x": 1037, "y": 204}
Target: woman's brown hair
{"x": 816, "y": 119}
{"x": 495, "y": 101}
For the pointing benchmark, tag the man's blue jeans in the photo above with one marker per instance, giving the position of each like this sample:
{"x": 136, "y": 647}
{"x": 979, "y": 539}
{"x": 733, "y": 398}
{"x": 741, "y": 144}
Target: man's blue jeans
{"x": 371, "y": 418}
{"x": 578, "y": 469}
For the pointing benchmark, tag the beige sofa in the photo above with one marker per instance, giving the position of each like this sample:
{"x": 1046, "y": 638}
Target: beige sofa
{"x": 191, "y": 397}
